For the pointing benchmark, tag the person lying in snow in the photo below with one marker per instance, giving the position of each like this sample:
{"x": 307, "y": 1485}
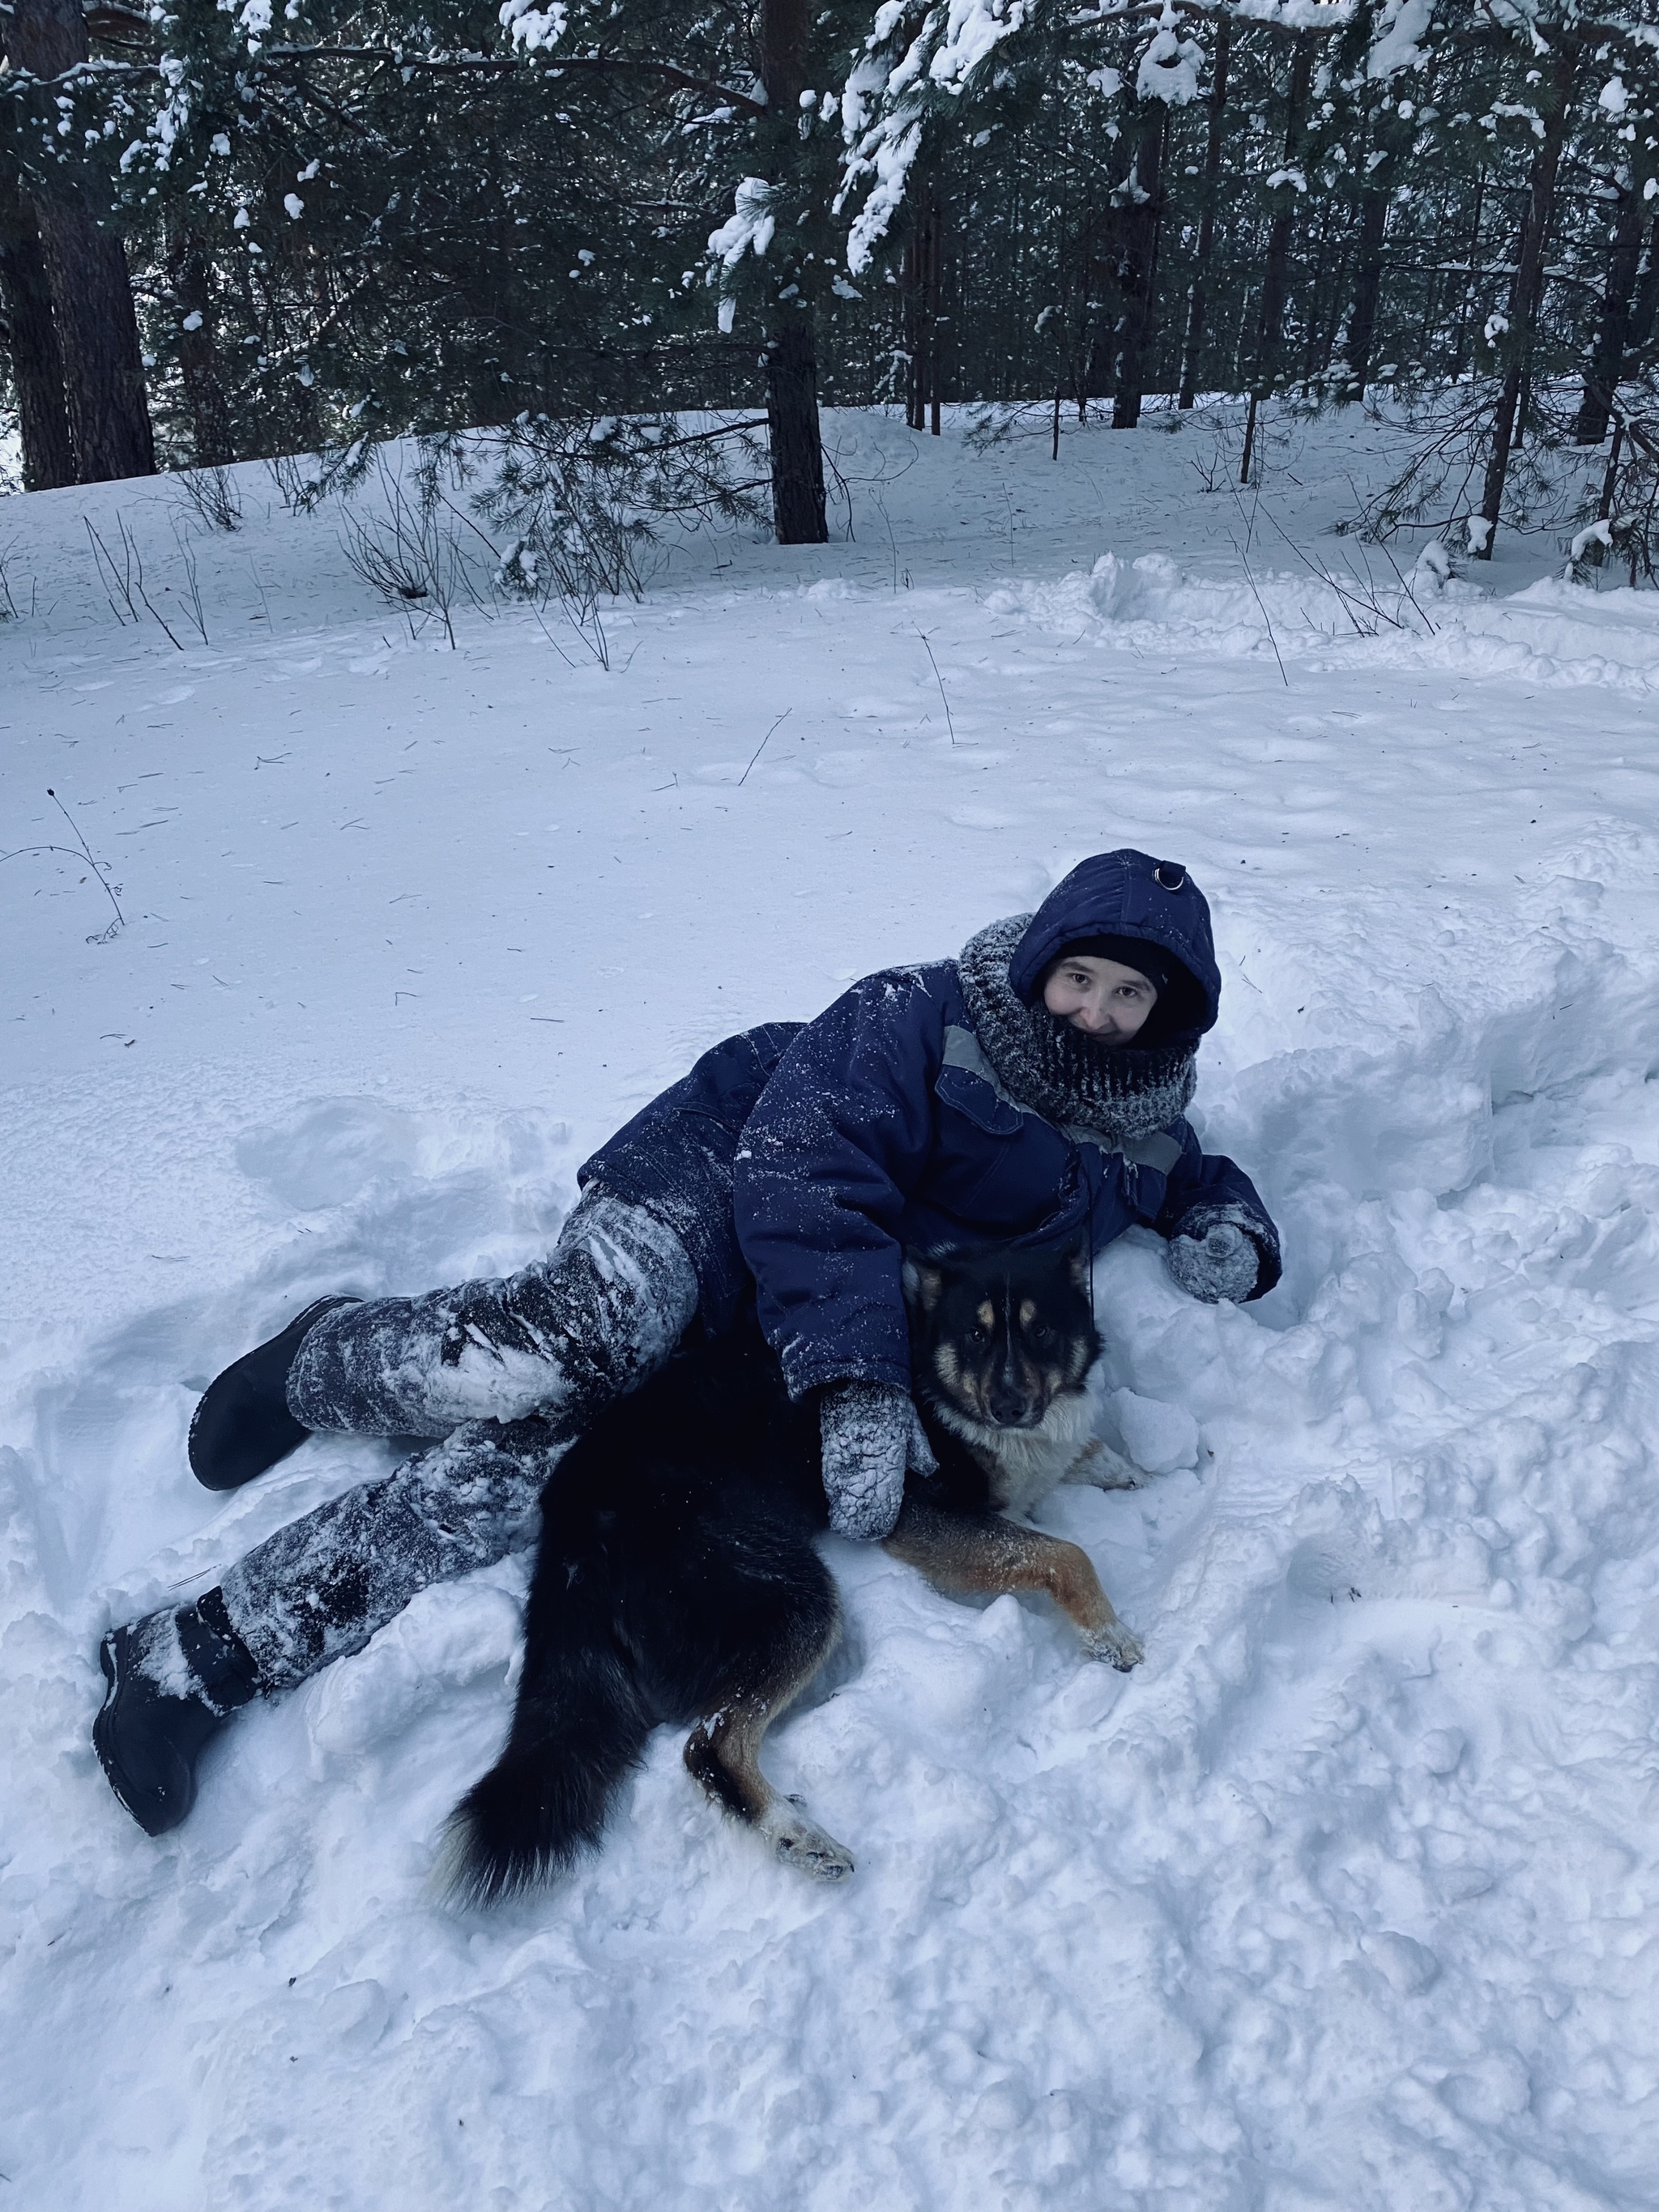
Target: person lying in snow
{"x": 1031, "y": 1090}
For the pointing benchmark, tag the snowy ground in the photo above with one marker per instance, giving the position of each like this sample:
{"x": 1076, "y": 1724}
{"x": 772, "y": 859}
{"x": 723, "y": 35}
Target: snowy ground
{"x": 1346, "y": 1897}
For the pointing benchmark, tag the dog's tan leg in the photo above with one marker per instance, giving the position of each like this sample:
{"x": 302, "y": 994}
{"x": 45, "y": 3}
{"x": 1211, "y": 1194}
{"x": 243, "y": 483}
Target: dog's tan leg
{"x": 1102, "y": 1469}
{"x": 723, "y": 1753}
{"x": 989, "y": 1555}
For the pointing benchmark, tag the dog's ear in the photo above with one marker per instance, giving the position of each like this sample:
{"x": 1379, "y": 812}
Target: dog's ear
{"x": 1078, "y": 1265}
{"x": 922, "y": 1284}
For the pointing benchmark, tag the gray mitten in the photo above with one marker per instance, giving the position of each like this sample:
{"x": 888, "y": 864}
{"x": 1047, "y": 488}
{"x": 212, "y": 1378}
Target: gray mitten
{"x": 870, "y": 1433}
{"x": 1222, "y": 1262}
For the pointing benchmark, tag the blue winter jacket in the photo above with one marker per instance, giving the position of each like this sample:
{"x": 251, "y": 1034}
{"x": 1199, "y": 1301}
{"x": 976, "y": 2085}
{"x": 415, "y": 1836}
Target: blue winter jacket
{"x": 883, "y": 1124}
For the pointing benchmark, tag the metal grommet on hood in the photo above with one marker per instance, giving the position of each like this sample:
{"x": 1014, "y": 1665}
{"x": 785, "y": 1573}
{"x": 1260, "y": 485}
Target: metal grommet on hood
{"x": 1169, "y": 877}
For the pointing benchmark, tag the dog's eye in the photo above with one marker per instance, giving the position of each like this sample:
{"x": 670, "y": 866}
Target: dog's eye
{"x": 1040, "y": 1332}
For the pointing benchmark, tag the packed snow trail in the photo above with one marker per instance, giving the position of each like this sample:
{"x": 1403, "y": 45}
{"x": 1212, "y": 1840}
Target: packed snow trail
{"x": 1346, "y": 1897}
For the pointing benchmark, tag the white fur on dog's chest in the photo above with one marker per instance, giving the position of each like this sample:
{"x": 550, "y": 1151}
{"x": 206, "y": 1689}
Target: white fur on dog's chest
{"x": 1025, "y": 1464}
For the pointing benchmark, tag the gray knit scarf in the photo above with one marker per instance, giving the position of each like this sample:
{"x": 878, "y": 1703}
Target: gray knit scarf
{"x": 1113, "y": 1091}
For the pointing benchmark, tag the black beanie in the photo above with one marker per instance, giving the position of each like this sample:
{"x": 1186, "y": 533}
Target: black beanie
{"x": 1152, "y": 961}
{"x": 1180, "y": 999}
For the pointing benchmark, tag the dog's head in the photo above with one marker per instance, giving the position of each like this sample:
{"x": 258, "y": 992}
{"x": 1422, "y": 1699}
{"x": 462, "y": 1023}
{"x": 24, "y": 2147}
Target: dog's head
{"x": 996, "y": 1336}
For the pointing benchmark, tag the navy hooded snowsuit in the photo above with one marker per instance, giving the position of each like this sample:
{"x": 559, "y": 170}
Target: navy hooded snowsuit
{"x": 810, "y": 1156}
{"x": 796, "y": 1160}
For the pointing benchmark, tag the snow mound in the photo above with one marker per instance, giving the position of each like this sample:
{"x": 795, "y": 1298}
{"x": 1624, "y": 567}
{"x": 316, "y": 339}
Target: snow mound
{"x": 1549, "y": 633}
{"x": 1158, "y": 1439}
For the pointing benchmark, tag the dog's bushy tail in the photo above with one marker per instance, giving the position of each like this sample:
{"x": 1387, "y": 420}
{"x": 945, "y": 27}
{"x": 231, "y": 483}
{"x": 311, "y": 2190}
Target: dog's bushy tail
{"x": 579, "y": 1725}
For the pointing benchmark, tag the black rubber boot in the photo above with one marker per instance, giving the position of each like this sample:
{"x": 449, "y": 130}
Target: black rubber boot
{"x": 173, "y": 1678}
{"x": 243, "y": 1424}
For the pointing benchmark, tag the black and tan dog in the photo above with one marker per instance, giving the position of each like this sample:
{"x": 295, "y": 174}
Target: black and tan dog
{"x": 678, "y": 1580}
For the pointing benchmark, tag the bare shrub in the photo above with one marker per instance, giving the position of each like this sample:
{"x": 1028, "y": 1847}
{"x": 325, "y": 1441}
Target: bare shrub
{"x": 212, "y": 496}
{"x": 408, "y": 554}
{"x": 122, "y": 579}
{"x": 300, "y": 491}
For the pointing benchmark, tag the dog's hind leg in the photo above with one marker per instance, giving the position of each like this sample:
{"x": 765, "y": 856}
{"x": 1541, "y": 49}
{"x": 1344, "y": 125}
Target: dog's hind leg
{"x": 723, "y": 1751}
{"x": 984, "y": 1554}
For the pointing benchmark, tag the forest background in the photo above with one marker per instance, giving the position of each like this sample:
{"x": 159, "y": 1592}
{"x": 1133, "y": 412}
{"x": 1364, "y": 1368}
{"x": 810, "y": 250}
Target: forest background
{"x": 641, "y": 244}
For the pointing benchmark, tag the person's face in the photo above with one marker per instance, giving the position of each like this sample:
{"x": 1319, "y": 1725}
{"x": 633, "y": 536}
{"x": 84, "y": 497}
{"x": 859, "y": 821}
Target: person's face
{"x": 1102, "y": 997}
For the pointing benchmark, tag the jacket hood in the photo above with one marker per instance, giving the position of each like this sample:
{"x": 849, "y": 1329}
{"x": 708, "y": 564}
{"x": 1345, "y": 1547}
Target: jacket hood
{"x": 1125, "y": 894}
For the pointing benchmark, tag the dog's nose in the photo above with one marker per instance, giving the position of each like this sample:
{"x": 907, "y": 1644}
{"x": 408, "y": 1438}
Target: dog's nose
{"x": 1010, "y": 1402}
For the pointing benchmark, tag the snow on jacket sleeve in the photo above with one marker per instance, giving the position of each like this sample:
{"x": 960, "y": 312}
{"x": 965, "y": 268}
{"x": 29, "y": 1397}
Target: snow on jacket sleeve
{"x": 1205, "y": 1188}
{"x": 839, "y": 1137}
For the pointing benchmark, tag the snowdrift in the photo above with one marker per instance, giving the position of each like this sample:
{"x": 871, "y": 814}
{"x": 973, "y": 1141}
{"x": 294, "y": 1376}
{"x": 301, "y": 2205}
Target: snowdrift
{"x": 1370, "y": 616}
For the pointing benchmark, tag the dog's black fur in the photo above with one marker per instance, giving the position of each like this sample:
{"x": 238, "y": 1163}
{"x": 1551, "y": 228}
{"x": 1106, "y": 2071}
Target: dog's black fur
{"x": 678, "y": 1578}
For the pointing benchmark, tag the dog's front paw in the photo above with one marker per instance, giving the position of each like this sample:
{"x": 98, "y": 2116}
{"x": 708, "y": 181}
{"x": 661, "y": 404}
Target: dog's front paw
{"x": 1120, "y": 1646}
{"x": 1102, "y": 1469}
{"x": 800, "y": 1842}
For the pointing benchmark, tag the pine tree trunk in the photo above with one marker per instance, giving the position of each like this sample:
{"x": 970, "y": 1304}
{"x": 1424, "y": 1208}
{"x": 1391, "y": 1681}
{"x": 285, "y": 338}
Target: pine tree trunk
{"x": 792, "y": 414}
{"x": 935, "y": 314}
{"x": 91, "y": 290}
{"x": 915, "y": 340}
{"x": 1248, "y": 301}
{"x": 199, "y": 355}
{"x": 1330, "y": 322}
{"x": 1610, "y": 474}
{"x": 1527, "y": 288}
{"x": 924, "y": 280}
{"x": 1138, "y": 269}
{"x": 785, "y": 26}
{"x": 1095, "y": 244}
{"x": 1367, "y": 291}
{"x": 1193, "y": 347}
{"x": 1608, "y": 359}
{"x": 1646, "y": 309}
{"x": 792, "y": 371}
{"x": 1466, "y": 303}
{"x": 1276, "y": 269}
{"x": 1248, "y": 456}
{"x": 1314, "y": 323}
{"x": 31, "y": 338}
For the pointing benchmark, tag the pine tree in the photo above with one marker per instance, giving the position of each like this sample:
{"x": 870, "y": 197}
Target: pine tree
{"x": 556, "y": 227}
